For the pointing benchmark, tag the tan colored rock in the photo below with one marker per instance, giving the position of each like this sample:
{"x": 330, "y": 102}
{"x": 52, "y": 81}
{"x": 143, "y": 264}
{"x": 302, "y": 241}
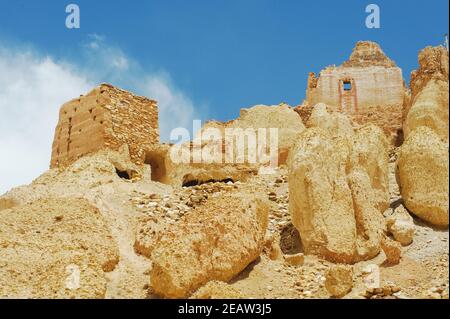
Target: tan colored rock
{"x": 392, "y": 250}
{"x": 55, "y": 248}
{"x": 272, "y": 247}
{"x": 433, "y": 65}
{"x": 338, "y": 189}
{"x": 294, "y": 260}
{"x": 336, "y": 124}
{"x": 401, "y": 225}
{"x": 216, "y": 241}
{"x": 430, "y": 109}
{"x": 339, "y": 280}
{"x": 370, "y": 153}
{"x": 217, "y": 290}
{"x": 423, "y": 175}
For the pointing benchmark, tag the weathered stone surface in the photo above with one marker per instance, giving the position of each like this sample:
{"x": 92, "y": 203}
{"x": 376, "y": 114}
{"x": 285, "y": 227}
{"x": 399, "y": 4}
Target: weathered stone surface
{"x": 334, "y": 123}
{"x": 338, "y": 189}
{"x": 423, "y": 175}
{"x": 217, "y": 290}
{"x": 430, "y": 109}
{"x": 401, "y": 225}
{"x": 295, "y": 260}
{"x": 433, "y": 65}
{"x": 339, "y": 280}
{"x": 214, "y": 242}
{"x": 55, "y": 248}
{"x": 107, "y": 117}
{"x": 392, "y": 250}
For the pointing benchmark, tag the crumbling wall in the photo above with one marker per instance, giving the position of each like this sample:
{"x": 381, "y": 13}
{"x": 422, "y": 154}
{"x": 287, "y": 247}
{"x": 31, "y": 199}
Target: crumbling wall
{"x": 369, "y": 87}
{"x": 107, "y": 117}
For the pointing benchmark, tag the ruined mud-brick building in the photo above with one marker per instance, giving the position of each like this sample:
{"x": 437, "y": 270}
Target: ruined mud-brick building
{"x": 367, "y": 87}
{"x": 367, "y": 79}
{"x": 107, "y": 117}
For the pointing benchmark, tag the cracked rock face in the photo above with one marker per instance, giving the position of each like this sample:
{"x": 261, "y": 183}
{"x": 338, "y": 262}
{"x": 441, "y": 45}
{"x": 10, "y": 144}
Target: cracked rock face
{"x": 214, "y": 242}
{"x": 338, "y": 190}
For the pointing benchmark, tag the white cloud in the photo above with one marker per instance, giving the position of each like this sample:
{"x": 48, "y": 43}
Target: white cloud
{"x": 33, "y": 87}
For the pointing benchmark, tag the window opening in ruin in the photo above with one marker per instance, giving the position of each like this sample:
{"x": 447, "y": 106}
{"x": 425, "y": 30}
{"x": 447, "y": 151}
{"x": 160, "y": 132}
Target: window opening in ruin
{"x": 347, "y": 86}
{"x": 123, "y": 174}
{"x": 157, "y": 163}
{"x": 189, "y": 181}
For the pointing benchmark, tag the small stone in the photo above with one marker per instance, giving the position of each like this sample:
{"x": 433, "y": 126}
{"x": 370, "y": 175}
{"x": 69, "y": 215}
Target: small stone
{"x": 339, "y": 280}
{"x": 294, "y": 260}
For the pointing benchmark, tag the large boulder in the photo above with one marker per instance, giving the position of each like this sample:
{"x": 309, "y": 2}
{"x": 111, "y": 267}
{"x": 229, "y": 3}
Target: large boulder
{"x": 338, "y": 190}
{"x": 422, "y": 172}
{"x": 55, "y": 248}
{"x": 430, "y": 109}
{"x": 216, "y": 241}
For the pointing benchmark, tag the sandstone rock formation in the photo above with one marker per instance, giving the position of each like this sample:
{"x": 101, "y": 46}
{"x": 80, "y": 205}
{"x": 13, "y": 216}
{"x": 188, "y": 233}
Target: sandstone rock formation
{"x": 338, "y": 190}
{"x": 423, "y": 175}
{"x": 107, "y": 117}
{"x": 335, "y": 123}
{"x": 392, "y": 250}
{"x": 339, "y": 280}
{"x": 401, "y": 225}
{"x": 422, "y": 166}
{"x": 214, "y": 242}
{"x": 55, "y": 248}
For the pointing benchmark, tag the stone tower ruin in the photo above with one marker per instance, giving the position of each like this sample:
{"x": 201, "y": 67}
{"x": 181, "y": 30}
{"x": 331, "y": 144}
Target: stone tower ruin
{"x": 107, "y": 117}
{"x": 368, "y": 78}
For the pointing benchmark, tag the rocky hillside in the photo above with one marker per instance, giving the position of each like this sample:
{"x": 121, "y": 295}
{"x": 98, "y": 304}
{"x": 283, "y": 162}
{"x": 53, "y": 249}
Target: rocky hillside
{"x": 346, "y": 213}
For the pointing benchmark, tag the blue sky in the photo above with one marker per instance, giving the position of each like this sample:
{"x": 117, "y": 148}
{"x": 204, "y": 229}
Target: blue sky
{"x": 201, "y": 58}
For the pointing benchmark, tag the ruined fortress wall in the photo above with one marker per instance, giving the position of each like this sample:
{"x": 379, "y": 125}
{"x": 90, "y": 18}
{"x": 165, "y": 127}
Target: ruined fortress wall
{"x": 370, "y": 86}
{"x": 107, "y": 117}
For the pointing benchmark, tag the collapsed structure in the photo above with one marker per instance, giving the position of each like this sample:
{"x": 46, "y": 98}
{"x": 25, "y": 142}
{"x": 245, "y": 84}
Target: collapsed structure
{"x": 369, "y": 78}
{"x": 369, "y": 88}
{"x": 107, "y": 117}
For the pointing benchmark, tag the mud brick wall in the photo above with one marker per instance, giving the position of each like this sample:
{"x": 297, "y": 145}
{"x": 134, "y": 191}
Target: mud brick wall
{"x": 369, "y": 86}
{"x": 107, "y": 117}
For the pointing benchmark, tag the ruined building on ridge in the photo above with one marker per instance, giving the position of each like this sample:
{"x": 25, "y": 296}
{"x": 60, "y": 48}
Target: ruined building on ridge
{"x": 369, "y": 88}
{"x": 107, "y": 117}
{"x": 368, "y": 78}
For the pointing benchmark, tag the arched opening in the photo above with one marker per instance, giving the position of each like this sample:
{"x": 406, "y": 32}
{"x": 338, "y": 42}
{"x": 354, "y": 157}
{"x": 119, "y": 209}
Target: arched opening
{"x": 158, "y": 164}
